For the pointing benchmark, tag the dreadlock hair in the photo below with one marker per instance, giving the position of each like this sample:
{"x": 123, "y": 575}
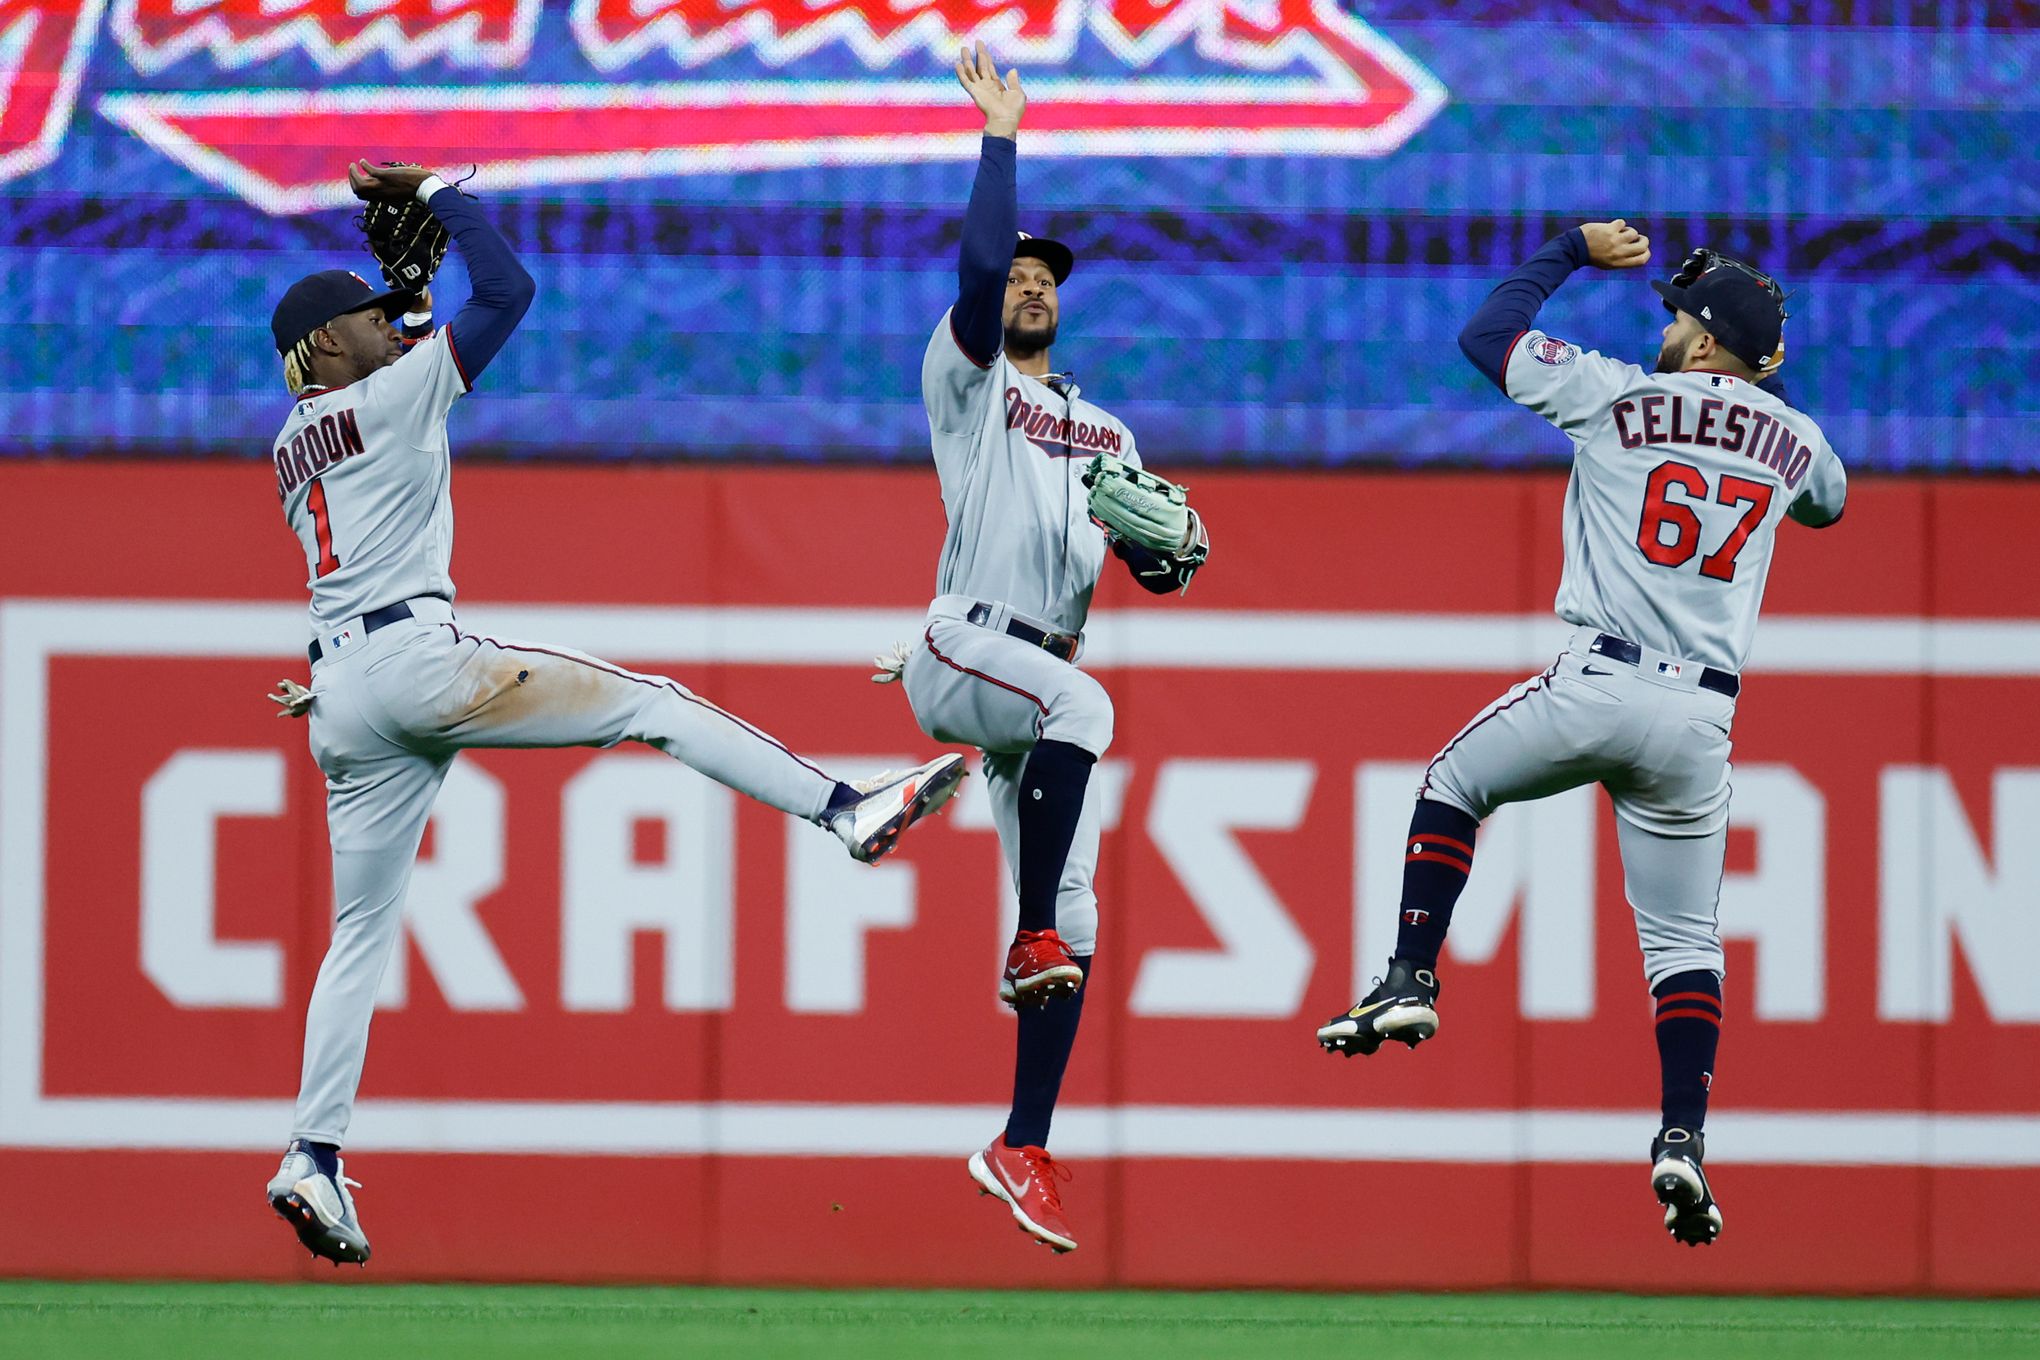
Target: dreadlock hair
{"x": 297, "y": 366}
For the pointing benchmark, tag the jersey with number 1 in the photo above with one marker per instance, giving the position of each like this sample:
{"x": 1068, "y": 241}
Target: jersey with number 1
{"x": 1679, "y": 481}
{"x": 365, "y": 475}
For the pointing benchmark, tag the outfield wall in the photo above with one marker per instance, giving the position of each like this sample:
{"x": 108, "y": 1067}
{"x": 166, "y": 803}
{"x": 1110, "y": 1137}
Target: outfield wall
{"x": 696, "y": 1044}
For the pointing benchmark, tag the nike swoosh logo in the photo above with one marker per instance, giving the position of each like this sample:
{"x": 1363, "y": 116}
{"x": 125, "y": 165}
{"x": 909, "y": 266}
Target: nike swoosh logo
{"x": 1020, "y": 1190}
{"x": 1589, "y": 670}
{"x": 1359, "y": 1011}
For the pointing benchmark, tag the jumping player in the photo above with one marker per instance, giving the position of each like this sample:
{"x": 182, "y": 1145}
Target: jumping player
{"x": 1680, "y": 479}
{"x": 995, "y": 666}
{"x": 399, "y": 686}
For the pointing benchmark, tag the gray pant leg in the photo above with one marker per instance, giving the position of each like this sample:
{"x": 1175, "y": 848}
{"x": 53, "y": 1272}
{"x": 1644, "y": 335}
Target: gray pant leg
{"x": 481, "y": 691}
{"x": 1674, "y": 887}
{"x": 1546, "y": 735}
{"x": 376, "y": 814}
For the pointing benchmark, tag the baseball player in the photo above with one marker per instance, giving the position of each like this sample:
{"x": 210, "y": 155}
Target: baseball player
{"x": 1037, "y": 483}
{"x": 1680, "y": 479}
{"x": 400, "y": 685}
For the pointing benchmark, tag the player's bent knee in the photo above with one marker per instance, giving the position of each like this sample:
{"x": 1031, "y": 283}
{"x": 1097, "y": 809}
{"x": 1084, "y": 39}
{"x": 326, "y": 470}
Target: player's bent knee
{"x": 1080, "y": 713}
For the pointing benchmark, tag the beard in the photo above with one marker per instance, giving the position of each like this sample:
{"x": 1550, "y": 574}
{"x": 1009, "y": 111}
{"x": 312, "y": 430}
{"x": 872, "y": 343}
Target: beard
{"x": 1672, "y": 356}
{"x": 1029, "y": 339}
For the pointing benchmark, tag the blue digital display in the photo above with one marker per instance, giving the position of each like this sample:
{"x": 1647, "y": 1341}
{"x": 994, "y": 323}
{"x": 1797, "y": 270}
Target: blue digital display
{"x": 743, "y": 213}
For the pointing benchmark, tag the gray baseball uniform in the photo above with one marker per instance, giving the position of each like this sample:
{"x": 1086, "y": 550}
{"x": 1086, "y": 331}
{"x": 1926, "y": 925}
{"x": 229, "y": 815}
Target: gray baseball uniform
{"x": 400, "y": 687}
{"x": 1679, "y": 481}
{"x": 1010, "y": 451}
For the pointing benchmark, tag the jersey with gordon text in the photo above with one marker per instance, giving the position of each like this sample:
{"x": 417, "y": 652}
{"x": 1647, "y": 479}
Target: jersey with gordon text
{"x": 364, "y": 474}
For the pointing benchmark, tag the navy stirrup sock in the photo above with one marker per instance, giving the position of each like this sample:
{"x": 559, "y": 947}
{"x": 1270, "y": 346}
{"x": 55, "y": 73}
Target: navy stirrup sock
{"x": 326, "y": 1157}
{"x": 1436, "y": 860}
{"x": 1047, "y": 1034}
{"x": 1051, "y": 802}
{"x": 1688, "y": 1031}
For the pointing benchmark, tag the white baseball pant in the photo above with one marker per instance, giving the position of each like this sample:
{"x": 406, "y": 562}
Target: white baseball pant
{"x": 974, "y": 686}
{"x": 1656, "y": 741}
{"x": 392, "y": 709}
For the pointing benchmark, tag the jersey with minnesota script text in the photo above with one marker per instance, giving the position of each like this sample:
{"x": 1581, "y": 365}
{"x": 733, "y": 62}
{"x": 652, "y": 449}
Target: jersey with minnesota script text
{"x": 1679, "y": 482}
{"x": 364, "y": 474}
{"x": 1010, "y": 451}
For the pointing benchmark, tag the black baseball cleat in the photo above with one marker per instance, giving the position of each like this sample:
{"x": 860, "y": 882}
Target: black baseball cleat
{"x": 1691, "y": 1215}
{"x": 1402, "y": 1006}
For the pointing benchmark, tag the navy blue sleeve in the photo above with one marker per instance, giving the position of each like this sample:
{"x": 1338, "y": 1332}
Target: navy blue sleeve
{"x": 502, "y": 290}
{"x": 1775, "y": 385}
{"x": 1512, "y": 306}
{"x": 991, "y": 224}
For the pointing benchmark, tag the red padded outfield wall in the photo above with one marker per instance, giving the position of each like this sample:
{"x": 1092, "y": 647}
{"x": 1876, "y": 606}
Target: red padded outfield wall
{"x": 697, "y": 1044}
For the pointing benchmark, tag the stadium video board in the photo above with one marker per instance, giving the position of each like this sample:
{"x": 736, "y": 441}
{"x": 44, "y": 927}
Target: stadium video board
{"x": 743, "y": 214}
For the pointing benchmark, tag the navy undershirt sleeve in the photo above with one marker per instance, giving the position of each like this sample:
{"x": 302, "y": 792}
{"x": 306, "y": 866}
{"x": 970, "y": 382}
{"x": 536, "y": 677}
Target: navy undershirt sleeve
{"x": 991, "y": 224}
{"x": 1512, "y": 306}
{"x": 1775, "y": 385}
{"x": 502, "y": 290}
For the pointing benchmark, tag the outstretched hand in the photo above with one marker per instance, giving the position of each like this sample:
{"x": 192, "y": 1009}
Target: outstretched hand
{"x": 1615, "y": 245}
{"x": 1003, "y": 101}
{"x": 391, "y": 182}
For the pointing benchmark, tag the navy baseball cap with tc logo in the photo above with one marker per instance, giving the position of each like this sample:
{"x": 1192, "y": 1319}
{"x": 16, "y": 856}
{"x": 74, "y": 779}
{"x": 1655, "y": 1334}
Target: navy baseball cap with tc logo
{"x": 317, "y": 298}
{"x": 1741, "y": 308}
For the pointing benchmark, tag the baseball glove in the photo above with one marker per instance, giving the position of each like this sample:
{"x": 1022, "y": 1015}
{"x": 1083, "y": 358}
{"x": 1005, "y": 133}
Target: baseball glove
{"x": 1138, "y": 506}
{"x": 406, "y": 240}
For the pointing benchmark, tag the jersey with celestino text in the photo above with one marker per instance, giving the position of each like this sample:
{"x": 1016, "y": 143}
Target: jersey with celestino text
{"x": 364, "y": 474}
{"x": 1679, "y": 482}
{"x": 1010, "y": 451}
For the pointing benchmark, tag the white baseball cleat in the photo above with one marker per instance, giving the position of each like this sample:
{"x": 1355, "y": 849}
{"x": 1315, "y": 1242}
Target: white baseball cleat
{"x": 892, "y": 802}
{"x": 318, "y": 1207}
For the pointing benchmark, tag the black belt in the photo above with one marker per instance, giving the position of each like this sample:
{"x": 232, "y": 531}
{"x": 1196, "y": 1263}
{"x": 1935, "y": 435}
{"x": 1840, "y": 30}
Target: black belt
{"x": 374, "y": 619}
{"x": 1061, "y": 646}
{"x": 1627, "y": 652}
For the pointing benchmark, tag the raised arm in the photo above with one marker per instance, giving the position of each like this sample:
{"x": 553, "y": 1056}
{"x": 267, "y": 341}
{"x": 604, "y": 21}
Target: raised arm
{"x": 1513, "y": 305}
{"x": 501, "y": 289}
{"x": 991, "y": 222}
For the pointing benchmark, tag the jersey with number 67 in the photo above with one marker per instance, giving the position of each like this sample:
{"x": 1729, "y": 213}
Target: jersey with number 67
{"x": 364, "y": 474}
{"x": 1679, "y": 481}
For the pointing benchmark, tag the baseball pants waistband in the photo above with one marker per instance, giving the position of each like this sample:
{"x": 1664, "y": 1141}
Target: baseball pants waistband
{"x": 352, "y": 632}
{"x": 1666, "y": 667}
{"x": 1000, "y": 618}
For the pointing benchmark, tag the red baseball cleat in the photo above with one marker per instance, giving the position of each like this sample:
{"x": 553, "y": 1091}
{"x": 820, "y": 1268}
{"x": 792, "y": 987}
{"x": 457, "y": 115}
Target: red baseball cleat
{"x": 1038, "y": 969}
{"x": 1025, "y": 1179}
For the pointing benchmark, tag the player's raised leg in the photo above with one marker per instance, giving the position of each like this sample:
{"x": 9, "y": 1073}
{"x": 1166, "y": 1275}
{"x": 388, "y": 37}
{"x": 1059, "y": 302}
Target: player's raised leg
{"x": 482, "y": 691}
{"x": 1545, "y": 735}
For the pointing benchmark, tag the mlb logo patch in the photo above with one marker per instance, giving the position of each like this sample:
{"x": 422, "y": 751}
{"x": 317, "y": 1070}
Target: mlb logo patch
{"x": 1553, "y": 352}
{"x": 1669, "y": 669}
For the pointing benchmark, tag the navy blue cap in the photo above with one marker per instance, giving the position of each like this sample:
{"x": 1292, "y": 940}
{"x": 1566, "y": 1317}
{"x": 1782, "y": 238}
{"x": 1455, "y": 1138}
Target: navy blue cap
{"x": 1059, "y": 258}
{"x": 317, "y": 298}
{"x": 1742, "y": 309}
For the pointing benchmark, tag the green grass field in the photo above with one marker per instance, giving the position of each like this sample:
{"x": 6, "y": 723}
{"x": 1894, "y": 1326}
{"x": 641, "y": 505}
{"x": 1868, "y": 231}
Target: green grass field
{"x": 455, "y": 1322}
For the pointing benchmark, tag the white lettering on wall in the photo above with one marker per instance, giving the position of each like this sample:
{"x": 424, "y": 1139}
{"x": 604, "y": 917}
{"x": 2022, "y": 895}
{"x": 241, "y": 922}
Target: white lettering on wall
{"x": 607, "y": 898}
{"x": 182, "y": 804}
{"x": 1263, "y": 961}
{"x": 1936, "y": 887}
